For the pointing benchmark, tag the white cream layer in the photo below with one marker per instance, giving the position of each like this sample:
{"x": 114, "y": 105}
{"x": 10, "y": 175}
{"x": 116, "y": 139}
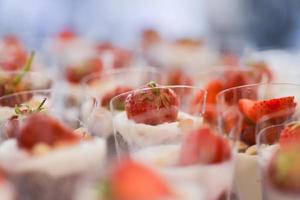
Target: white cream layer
{"x": 141, "y": 135}
{"x": 83, "y": 157}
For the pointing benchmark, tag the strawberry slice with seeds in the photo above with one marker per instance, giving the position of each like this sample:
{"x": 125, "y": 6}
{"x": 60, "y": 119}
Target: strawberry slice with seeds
{"x": 255, "y": 110}
{"x": 133, "y": 181}
{"x": 204, "y": 146}
{"x": 152, "y": 106}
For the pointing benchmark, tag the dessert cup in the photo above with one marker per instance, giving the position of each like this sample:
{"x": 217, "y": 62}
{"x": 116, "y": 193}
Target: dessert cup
{"x": 247, "y": 182}
{"x": 52, "y": 165}
{"x": 272, "y": 142}
{"x": 99, "y": 89}
{"x": 157, "y": 142}
{"x": 216, "y": 79}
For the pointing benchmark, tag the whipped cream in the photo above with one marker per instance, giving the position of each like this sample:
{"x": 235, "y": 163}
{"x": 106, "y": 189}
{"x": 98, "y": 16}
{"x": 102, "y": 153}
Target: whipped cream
{"x": 139, "y": 135}
{"x": 85, "y": 156}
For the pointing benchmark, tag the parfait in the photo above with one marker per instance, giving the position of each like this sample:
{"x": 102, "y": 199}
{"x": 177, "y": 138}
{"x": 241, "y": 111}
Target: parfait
{"x": 279, "y": 148}
{"x": 51, "y": 160}
{"x": 165, "y": 131}
{"x": 254, "y": 103}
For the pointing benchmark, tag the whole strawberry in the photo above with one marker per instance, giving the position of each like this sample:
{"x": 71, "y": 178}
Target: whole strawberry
{"x": 152, "y": 105}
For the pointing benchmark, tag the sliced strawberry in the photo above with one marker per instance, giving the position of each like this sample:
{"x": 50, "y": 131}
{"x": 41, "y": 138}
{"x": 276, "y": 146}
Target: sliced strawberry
{"x": 255, "y": 110}
{"x": 152, "y": 106}
{"x": 213, "y": 88}
{"x": 133, "y": 181}
{"x": 41, "y": 128}
{"x": 290, "y": 134}
{"x": 204, "y": 146}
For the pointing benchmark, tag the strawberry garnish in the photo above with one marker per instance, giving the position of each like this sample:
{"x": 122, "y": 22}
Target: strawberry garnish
{"x": 133, "y": 181}
{"x": 283, "y": 171}
{"x": 41, "y": 128}
{"x": 204, "y": 146}
{"x": 117, "y": 91}
{"x": 255, "y": 110}
{"x": 66, "y": 35}
{"x": 152, "y": 106}
{"x": 290, "y": 134}
{"x": 75, "y": 74}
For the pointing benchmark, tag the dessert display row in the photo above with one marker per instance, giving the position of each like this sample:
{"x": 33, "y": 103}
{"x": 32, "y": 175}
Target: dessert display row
{"x": 188, "y": 128}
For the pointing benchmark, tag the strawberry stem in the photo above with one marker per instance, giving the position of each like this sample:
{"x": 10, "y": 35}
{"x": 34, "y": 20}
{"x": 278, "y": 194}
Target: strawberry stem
{"x": 25, "y": 69}
{"x": 154, "y": 88}
{"x": 40, "y": 107}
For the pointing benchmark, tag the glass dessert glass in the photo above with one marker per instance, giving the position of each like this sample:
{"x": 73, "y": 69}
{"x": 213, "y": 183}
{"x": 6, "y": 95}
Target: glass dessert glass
{"x": 221, "y": 78}
{"x": 160, "y": 127}
{"x": 263, "y": 99}
{"x": 52, "y": 160}
{"x": 277, "y": 147}
{"x": 100, "y": 88}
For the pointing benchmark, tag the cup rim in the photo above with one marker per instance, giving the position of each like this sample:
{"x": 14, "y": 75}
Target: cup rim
{"x": 25, "y": 92}
{"x": 109, "y": 72}
{"x": 218, "y": 97}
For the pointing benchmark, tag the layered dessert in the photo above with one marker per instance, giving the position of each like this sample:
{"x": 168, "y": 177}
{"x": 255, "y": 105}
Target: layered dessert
{"x": 153, "y": 117}
{"x": 154, "y": 131}
{"x": 51, "y": 161}
{"x": 280, "y": 163}
{"x": 222, "y": 78}
{"x": 247, "y": 179}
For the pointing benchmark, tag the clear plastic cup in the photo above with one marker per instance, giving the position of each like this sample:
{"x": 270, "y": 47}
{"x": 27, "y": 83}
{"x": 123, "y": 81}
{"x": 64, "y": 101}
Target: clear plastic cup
{"x": 55, "y": 170}
{"x": 153, "y": 139}
{"x": 247, "y": 179}
{"x": 269, "y": 145}
{"x": 99, "y": 89}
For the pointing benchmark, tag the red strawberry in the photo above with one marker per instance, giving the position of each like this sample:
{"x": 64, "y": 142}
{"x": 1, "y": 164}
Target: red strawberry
{"x": 255, "y": 110}
{"x": 290, "y": 134}
{"x": 122, "y": 57}
{"x": 118, "y": 90}
{"x": 66, "y": 35}
{"x": 133, "y": 181}
{"x": 283, "y": 171}
{"x": 213, "y": 88}
{"x": 178, "y": 77}
{"x": 41, "y": 128}
{"x": 204, "y": 146}
{"x": 152, "y": 106}
{"x": 76, "y": 73}
{"x": 14, "y": 55}
{"x": 149, "y": 37}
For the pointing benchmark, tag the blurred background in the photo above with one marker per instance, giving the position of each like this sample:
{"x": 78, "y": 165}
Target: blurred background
{"x": 233, "y": 24}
